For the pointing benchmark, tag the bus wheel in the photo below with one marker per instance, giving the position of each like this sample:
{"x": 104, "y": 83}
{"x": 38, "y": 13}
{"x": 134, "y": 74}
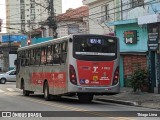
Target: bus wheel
{"x": 47, "y": 96}
{"x": 25, "y": 92}
{"x": 84, "y": 97}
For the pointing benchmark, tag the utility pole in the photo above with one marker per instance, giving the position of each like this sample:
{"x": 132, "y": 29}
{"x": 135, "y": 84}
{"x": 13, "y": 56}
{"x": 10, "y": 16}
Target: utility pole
{"x": 121, "y": 10}
{"x": 51, "y": 19}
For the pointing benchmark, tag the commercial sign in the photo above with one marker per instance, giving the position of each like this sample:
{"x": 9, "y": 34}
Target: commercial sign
{"x": 153, "y": 41}
{"x": 13, "y": 38}
{"x": 130, "y": 37}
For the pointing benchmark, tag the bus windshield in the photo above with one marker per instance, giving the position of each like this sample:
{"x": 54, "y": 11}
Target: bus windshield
{"x": 103, "y": 47}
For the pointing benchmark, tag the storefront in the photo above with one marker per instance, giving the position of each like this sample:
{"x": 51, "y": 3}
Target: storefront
{"x": 133, "y": 47}
{"x": 153, "y": 28}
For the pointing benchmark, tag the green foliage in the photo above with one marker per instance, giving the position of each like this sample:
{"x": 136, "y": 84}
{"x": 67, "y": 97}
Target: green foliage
{"x": 139, "y": 79}
{"x": 128, "y": 81}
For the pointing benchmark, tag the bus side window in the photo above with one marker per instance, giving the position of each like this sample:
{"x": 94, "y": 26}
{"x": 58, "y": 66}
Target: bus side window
{"x": 64, "y": 52}
{"x": 56, "y": 54}
{"x": 28, "y": 57}
{"x": 32, "y": 57}
{"x": 38, "y": 52}
{"x": 49, "y": 54}
{"x": 23, "y": 58}
{"x": 43, "y": 55}
{"x": 18, "y": 62}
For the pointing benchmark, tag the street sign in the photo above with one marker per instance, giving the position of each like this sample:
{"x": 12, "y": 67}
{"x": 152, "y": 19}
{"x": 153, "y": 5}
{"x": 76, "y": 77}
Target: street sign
{"x": 152, "y": 41}
{"x": 130, "y": 37}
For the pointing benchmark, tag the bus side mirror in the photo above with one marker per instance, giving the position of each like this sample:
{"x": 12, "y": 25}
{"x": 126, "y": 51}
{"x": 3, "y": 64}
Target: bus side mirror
{"x": 70, "y": 40}
{"x": 15, "y": 62}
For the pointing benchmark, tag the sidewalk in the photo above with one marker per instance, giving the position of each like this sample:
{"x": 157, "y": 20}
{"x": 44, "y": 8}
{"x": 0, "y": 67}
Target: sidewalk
{"x": 128, "y": 97}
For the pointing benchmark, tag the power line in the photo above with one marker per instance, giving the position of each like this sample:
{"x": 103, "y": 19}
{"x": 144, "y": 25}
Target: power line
{"x": 147, "y": 3}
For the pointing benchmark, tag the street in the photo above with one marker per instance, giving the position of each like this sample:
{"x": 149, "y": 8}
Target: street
{"x": 11, "y": 99}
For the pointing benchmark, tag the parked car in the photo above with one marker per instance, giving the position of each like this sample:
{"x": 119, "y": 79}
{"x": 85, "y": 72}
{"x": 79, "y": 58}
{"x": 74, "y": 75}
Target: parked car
{"x": 8, "y": 76}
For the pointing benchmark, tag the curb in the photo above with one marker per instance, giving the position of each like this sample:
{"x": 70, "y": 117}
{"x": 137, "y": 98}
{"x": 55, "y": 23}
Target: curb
{"x": 118, "y": 101}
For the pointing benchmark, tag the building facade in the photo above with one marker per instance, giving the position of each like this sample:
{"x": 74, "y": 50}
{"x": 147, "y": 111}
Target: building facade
{"x": 134, "y": 29}
{"x": 25, "y": 15}
{"x": 100, "y": 12}
{"x": 73, "y": 21}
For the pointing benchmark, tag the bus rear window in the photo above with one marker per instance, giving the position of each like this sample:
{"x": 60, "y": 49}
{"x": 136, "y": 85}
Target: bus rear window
{"x": 95, "y": 46}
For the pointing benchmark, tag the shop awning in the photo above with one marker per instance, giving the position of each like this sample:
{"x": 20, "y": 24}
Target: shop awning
{"x": 149, "y": 19}
{"x": 121, "y": 22}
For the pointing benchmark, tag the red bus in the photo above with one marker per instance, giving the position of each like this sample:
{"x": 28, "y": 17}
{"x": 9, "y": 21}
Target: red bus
{"x": 81, "y": 64}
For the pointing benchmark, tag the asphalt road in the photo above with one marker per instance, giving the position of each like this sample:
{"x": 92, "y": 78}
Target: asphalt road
{"x": 12, "y": 101}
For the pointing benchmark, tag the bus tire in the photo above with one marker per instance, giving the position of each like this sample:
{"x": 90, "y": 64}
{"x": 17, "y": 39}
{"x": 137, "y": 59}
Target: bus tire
{"x": 84, "y": 97}
{"x": 47, "y": 96}
{"x": 25, "y": 92}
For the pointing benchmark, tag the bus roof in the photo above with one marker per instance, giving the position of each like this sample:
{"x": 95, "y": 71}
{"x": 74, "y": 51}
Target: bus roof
{"x": 58, "y": 40}
{"x": 45, "y": 43}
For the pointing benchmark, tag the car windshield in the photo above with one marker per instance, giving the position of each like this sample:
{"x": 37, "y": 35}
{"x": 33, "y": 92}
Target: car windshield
{"x": 9, "y": 71}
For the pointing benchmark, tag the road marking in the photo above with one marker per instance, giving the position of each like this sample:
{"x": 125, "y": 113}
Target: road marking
{"x": 98, "y": 114}
{"x": 1, "y": 91}
{"x": 10, "y": 89}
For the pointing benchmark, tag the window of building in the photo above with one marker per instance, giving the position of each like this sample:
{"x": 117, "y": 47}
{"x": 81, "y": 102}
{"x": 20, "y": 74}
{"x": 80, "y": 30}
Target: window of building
{"x": 32, "y": 5}
{"x": 136, "y": 3}
{"x": 32, "y": 10}
{"x": 21, "y": 1}
{"x": 32, "y": 16}
{"x": 73, "y": 29}
{"x": 105, "y": 12}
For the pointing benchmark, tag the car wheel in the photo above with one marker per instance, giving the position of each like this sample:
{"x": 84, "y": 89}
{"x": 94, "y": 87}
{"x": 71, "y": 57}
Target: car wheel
{"x": 2, "y": 80}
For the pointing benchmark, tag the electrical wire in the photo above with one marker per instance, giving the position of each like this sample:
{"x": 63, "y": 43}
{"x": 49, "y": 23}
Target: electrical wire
{"x": 147, "y": 3}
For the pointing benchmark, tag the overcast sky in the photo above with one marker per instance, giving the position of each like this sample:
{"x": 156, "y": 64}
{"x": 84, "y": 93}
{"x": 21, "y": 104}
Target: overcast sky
{"x": 65, "y": 5}
{"x": 70, "y": 4}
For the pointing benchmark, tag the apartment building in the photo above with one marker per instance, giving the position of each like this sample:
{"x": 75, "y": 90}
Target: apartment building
{"x": 25, "y": 15}
{"x": 100, "y": 12}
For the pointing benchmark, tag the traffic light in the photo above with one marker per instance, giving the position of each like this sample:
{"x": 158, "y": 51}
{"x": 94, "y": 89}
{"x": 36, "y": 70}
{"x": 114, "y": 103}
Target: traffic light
{"x": 28, "y": 41}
